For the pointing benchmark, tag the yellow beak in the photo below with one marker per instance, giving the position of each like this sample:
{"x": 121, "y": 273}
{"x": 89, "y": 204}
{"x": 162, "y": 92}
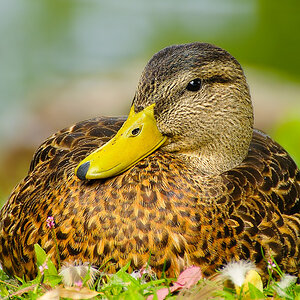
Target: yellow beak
{"x": 136, "y": 139}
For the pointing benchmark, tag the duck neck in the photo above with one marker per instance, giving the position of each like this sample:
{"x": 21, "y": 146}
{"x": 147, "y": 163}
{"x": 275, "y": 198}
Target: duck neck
{"x": 224, "y": 148}
{"x": 211, "y": 163}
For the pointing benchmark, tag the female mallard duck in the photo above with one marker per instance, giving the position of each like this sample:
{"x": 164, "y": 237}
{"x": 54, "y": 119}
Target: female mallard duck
{"x": 185, "y": 181}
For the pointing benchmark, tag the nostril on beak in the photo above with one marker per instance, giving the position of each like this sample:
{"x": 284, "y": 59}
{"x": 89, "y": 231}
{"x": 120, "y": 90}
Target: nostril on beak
{"x": 82, "y": 170}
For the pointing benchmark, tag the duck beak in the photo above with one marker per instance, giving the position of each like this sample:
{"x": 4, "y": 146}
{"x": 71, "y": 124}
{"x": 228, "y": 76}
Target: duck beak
{"x": 136, "y": 139}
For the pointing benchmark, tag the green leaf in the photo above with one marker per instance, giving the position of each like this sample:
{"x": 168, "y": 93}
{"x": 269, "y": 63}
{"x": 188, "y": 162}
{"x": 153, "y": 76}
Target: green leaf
{"x": 53, "y": 280}
{"x": 255, "y": 293}
{"x": 40, "y": 254}
{"x": 127, "y": 278}
{"x": 297, "y": 295}
{"x": 124, "y": 269}
{"x": 133, "y": 294}
{"x": 158, "y": 282}
{"x": 3, "y": 291}
{"x": 51, "y": 268}
{"x": 297, "y": 289}
{"x": 227, "y": 294}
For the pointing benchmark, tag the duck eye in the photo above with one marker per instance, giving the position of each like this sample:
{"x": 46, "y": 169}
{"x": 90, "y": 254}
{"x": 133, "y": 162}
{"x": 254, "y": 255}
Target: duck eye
{"x": 194, "y": 85}
{"x": 135, "y": 131}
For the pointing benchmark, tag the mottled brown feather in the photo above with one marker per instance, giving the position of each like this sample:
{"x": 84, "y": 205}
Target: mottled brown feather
{"x": 172, "y": 209}
{"x": 158, "y": 211}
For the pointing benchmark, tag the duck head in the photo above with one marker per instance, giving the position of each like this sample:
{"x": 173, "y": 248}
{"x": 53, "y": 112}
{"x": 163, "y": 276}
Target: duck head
{"x": 192, "y": 100}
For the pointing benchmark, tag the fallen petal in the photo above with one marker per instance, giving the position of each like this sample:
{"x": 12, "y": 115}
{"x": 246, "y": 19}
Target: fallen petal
{"x": 187, "y": 278}
{"x": 161, "y": 294}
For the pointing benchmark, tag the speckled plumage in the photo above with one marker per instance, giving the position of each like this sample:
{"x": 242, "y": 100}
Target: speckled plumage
{"x": 160, "y": 211}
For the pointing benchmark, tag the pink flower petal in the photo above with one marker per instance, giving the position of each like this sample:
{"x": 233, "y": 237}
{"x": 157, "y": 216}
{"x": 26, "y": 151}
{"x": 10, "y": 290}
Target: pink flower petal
{"x": 187, "y": 278}
{"x": 161, "y": 294}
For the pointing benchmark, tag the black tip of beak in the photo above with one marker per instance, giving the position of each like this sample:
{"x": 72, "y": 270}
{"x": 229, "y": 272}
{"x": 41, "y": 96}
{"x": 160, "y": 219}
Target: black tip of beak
{"x": 82, "y": 170}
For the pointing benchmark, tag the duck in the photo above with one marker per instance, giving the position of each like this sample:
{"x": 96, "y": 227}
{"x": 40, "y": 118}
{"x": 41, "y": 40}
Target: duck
{"x": 184, "y": 180}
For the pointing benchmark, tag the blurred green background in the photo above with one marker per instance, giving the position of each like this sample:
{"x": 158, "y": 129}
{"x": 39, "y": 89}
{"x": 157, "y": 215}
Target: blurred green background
{"x": 62, "y": 61}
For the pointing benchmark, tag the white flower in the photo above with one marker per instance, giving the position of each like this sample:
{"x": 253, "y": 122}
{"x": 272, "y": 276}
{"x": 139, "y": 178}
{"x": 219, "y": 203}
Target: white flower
{"x": 72, "y": 273}
{"x": 236, "y": 271}
{"x": 285, "y": 282}
{"x": 136, "y": 274}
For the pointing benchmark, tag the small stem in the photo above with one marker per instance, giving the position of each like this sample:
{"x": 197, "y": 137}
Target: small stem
{"x": 39, "y": 283}
{"x": 56, "y": 247}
